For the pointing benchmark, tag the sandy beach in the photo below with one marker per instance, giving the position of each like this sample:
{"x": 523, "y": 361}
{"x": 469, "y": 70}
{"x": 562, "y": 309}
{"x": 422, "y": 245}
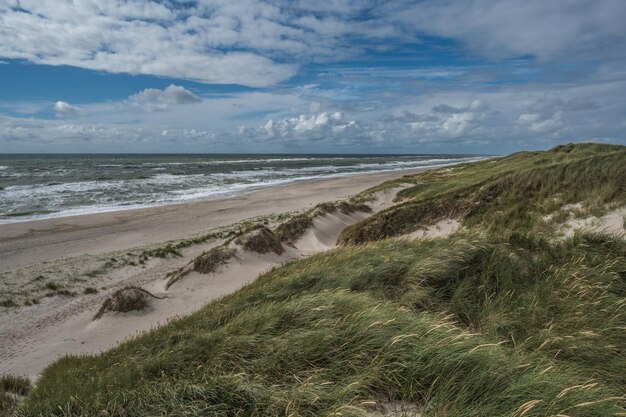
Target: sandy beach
{"x": 32, "y": 242}
{"x": 65, "y": 265}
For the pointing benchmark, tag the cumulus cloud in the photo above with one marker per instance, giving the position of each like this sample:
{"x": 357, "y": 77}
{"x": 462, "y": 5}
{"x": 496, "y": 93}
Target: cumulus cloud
{"x": 545, "y": 29}
{"x": 153, "y": 99}
{"x": 249, "y": 42}
{"x": 324, "y": 125}
{"x": 63, "y": 108}
{"x": 443, "y": 120}
{"x": 545, "y": 115}
{"x": 259, "y": 43}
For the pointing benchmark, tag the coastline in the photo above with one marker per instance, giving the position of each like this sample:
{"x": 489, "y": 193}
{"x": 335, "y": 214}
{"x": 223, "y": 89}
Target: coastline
{"x": 32, "y": 242}
{"x": 70, "y": 253}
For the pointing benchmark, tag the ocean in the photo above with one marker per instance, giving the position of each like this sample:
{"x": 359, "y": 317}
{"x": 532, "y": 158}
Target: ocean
{"x": 47, "y": 186}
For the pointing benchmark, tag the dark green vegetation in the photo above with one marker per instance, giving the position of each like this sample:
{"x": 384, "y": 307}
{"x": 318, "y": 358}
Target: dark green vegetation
{"x": 208, "y": 262}
{"x": 211, "y": 260}
{"x": 125, "y": 300}
{"x": 503, "y": 196}
{"x": 12, "y": 388}
{"x": 498, "y": 320}
{"x": 467, "y": 326}
{"x": 260, "y": 240}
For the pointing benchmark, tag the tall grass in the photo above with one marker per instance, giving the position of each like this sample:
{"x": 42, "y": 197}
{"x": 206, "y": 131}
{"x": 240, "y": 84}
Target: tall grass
{"x": 12, "y": 389}
{"x": 506, "y": 195}
{"x": 469, "y": 326}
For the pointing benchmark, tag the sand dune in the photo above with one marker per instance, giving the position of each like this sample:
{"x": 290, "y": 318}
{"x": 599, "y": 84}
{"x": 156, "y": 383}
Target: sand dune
{"x": 33, "y": 337}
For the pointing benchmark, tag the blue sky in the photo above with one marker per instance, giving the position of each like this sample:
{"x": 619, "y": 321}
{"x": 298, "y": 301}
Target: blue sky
{"x": 298, "y": 76}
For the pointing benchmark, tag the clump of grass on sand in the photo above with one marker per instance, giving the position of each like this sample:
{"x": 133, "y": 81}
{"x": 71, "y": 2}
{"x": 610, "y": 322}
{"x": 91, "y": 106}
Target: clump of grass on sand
{"x": 209, "y": 262}
{"x": 12, "y": 389}
{"x": 206, "y": 263}
{"x": 503, "y": 196}
{"x": 125, "y": 300}
{"x": 260, "y": 240}
{"x": 295, "y": 227}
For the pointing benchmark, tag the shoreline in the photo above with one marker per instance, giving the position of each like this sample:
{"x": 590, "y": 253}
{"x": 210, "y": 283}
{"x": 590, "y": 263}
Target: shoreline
{"x": 74, "y": 255}
{"x": 35, "y": 241}
{"x": 233, "y": 191}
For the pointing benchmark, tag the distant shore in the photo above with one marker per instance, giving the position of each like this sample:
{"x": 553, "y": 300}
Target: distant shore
{"x": 32, "y": 242}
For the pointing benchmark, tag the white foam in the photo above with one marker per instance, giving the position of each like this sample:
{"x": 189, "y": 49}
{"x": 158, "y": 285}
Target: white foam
{"x": 165, "y": 189}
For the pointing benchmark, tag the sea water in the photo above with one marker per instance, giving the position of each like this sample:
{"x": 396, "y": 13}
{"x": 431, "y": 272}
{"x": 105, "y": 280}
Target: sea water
{"x": 46, "y": 186}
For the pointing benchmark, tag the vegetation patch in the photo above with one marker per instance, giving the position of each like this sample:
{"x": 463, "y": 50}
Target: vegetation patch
{"x": 470, "y": 325}
{"x": 206, "y": 263}
{"x": 293, "y": 228}
{"x": 15, "y": 384}
{"x": 296, "y": 227}
{"x": 515, "y": 194}
{"x": 8, "y": 302}
{"x": 125, "y": 300}
{"x": 261, "y": 240}
{"x": 344, "y": 207}
{"x": 12, "y": 390}
{"x": 213, "y": 259}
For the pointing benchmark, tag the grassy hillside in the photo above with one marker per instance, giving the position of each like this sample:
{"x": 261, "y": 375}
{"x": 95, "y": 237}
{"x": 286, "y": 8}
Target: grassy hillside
{"x": 477, "y": 324}
{"x": 506, "y": 195}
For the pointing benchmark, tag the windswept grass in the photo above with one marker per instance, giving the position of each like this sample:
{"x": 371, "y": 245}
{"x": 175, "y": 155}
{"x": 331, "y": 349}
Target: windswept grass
{"x": 12, "y": 389}
{"x": 125, "y": 300}
{"x": 466, "y": 326}
{"x": 260, "y": 240}
{"x": 294, "y": 228}
{"x": 503, "y": 196}
{"x": 209, "y": 262}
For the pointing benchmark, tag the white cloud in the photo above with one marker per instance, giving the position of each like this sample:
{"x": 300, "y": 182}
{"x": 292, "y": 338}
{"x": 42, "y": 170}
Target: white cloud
{"x": 259, "y": 43}
{"x": 546, "y": 29}
{"x": 153, "y": 99}
{"x": 63, "y": 108}
{"x": 443, "y": 120}
{"x": 315, "y": 126}
{"x": 247, "y": 42}
{"x": 546, "y": 114}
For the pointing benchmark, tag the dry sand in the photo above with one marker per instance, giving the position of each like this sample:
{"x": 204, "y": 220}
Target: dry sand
{"x": 33, "y": 242}
{"x": 31, "y": 337}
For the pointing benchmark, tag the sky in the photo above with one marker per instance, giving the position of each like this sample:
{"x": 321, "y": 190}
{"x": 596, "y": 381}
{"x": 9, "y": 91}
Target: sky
{"x": 324, "y": 76}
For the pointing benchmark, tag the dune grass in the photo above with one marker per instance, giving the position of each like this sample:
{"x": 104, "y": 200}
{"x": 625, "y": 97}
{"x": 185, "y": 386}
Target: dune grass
{"x": 125, "y": 300}
{"x": 261, "y": 240}
{"x": 12, "y": 389}
{"x": 292, "y": 229}
{"x": 505, "y": 195}
{"x": 465, "y": 326}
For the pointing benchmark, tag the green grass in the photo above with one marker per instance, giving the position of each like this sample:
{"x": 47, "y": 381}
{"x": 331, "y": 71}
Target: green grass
{"x": 12, "y": 388}
{"x": 505, "y": 195}
{"x": 467, "y": 326}
{"x": 498, "y": 320}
